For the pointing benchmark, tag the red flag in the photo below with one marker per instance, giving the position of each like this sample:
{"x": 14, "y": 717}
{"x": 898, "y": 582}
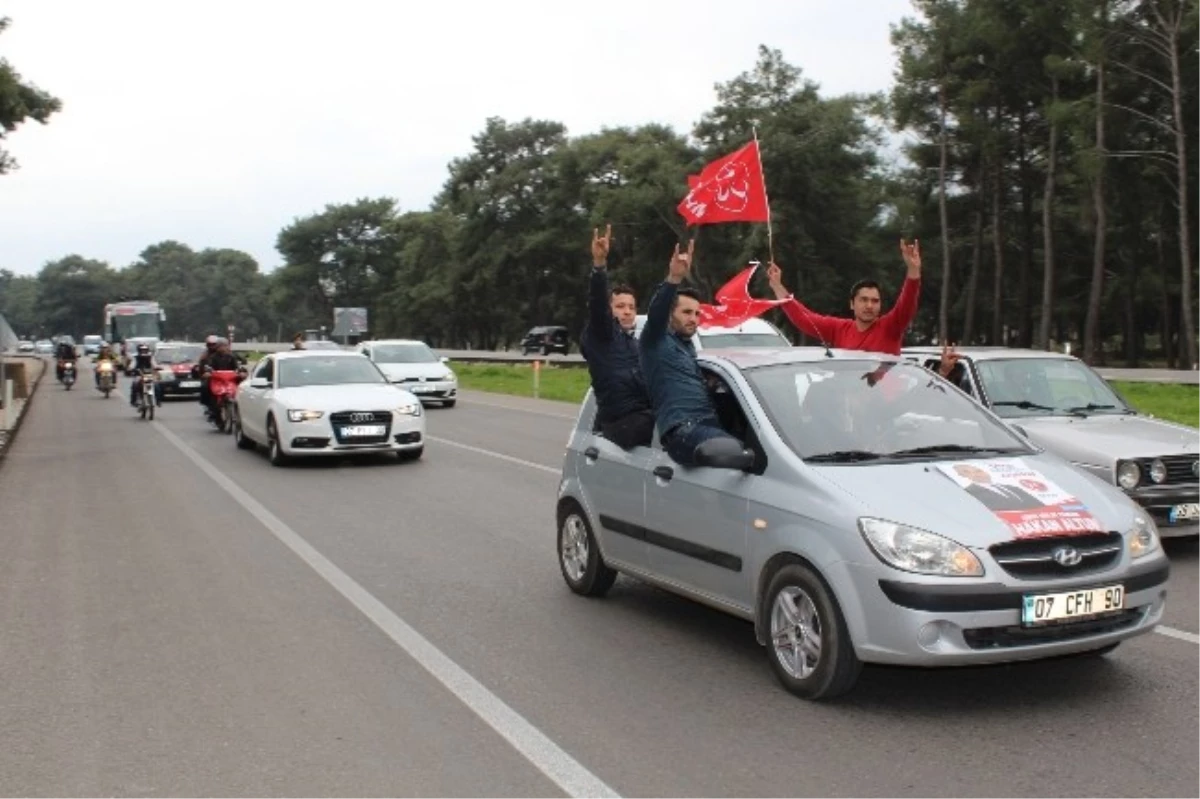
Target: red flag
{"x": 730, "y": 189}
{"x": 734, "y": 303}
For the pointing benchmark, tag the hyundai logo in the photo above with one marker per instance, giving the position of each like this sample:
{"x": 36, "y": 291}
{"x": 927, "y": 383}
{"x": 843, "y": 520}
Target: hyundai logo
{"x": 359, "y": 418}
{"x": 1067, "y": 556}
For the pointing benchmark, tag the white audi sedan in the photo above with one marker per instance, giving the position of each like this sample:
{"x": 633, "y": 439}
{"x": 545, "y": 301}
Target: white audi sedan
{"x": 303, "y": 403}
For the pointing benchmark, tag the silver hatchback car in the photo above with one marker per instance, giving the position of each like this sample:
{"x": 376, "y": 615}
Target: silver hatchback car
{"x": 885, "y": 518}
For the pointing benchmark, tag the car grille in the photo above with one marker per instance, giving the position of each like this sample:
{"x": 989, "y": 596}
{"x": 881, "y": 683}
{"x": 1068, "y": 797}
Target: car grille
{"x": 1179, "y": 469}
{"x": 1016, "y": 635}
{"x": 350, "y": 418}
{"x": 1033, "y": 559}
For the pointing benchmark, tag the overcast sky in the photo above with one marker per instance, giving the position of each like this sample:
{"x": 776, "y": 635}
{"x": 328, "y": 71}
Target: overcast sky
{"x": 218, "y": 123}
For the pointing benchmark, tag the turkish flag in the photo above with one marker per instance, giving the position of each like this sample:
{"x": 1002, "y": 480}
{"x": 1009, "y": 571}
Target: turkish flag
{"x": 730, "y": 189}
{"x": 734, "y": 303}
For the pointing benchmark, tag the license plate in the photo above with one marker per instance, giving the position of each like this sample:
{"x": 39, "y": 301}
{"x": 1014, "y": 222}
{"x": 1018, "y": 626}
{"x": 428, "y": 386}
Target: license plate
{"x": 1040, "y": 608}
{"x": 421, "y": 389}
{"x": 363, "y": 430}
{"x": 189, "y": 384}
{"x": 1183, "y": 513}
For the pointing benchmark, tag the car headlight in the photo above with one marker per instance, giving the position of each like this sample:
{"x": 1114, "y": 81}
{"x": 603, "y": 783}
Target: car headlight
{"x": 410, "y": 409}
{"x": 304, "y": 416}
{"x": 1158, "y": 471}
{"x": 1129, "y": 474}
{"x": 1143, "y": 537}
{"x": 448, "y": 376}
{"x": 912, "y": 550}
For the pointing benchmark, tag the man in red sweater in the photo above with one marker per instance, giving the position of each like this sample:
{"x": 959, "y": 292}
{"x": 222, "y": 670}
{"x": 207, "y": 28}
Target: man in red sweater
{"x": 868, "y": 330}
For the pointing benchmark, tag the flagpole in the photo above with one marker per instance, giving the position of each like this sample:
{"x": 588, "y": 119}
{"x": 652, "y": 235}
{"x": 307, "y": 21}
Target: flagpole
{"x": 766, "y": 199}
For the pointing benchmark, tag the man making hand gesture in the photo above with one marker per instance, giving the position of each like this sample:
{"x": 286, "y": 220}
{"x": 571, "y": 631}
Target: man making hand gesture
{"x": 687, "y": 418}
{"x": 868, "y": 330}
{"x": 611, "y": 351}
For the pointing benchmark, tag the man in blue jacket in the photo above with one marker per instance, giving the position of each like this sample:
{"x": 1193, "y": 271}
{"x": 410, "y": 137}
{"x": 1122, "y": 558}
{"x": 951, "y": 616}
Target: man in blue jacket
{"x": 686, "y": 415}
{"x": 611, "y": 350}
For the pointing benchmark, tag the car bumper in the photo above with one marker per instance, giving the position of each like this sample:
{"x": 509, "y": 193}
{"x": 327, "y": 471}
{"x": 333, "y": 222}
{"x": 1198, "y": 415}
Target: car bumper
{"x": 317, "y": 438}
{"x": 431, "y": 391}
{"x": 179, "y": 388}
{"x": 1164, "y": 502}
{"x": 906, "y": 622}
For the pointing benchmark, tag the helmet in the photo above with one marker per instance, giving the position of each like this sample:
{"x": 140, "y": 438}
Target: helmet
{"x": 143, "y": 349}
{"x": 211, "y": 341}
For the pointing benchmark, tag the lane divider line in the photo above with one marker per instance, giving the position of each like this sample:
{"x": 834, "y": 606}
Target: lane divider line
{"x": 545, "y": 755}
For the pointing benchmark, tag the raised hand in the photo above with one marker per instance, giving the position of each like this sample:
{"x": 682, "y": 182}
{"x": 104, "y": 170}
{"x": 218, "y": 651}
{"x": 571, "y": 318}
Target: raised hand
{"x": 775, "y": 280}
{"x": 912, "y": 256}
{"x": 681, "y": 263}
{"x": 949, "y": 360}
{"x": 600, "y": 245}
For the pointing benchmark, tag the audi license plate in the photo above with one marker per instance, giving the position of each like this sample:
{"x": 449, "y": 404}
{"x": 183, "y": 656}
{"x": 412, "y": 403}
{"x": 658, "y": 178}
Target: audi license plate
{"x": 189, "y": 384}
{"x": 1184, "y": 513}
{"x": 1041, "y": 608}
{"x": 363, "y": 430}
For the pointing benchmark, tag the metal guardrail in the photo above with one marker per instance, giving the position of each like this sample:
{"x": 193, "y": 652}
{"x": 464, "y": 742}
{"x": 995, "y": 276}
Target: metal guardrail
{"x": 1172, "y": 376}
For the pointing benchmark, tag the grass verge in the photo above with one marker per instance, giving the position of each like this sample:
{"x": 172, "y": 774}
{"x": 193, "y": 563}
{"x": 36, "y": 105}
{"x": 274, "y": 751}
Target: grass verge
{"x": 1177, "y": 403}
{"x": 564, "y": 383}
{"x": 1170, "y": 401}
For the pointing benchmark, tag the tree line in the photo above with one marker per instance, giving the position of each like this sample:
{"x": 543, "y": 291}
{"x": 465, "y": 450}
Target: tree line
{"x": 1050, "y": 175}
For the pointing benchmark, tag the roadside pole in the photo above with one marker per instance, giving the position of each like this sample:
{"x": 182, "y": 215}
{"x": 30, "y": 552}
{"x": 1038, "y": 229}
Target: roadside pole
{"x": 537, "y": 374}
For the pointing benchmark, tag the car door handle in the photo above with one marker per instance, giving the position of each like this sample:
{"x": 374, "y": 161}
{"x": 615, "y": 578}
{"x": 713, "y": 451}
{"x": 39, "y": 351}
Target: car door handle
{"x": 591, "y": 453}
{"x": 664, "y": 472}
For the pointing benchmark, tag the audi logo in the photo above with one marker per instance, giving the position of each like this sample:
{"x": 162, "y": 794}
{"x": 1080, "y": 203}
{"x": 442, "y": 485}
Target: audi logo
{"x": 359, "y": 418}
{"x": 1067, "y": 556}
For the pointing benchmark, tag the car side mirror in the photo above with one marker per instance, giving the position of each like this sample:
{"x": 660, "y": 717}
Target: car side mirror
{"x": 724, "y": 453}
{"x": 259, "y": 382}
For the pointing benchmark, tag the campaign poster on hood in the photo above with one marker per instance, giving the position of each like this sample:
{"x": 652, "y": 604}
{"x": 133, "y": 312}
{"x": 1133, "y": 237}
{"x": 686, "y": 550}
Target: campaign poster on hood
{"x": 1026, "y": 500}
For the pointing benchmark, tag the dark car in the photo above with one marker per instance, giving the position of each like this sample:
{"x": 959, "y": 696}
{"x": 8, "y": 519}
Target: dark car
{"x": 546, "y": 340}
{"x": 175, "y": 362}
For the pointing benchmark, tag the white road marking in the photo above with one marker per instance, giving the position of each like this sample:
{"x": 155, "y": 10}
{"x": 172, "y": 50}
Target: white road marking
{"x": 498, "y": 455}
{"x": 535, "y": 746}
{"x": 1182, "y": 635}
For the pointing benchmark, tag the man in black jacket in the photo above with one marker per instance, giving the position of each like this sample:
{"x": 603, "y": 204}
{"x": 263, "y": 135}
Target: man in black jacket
{"x": 608, "y": 343}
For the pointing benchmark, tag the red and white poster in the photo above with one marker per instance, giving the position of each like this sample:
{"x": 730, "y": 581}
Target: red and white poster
{"x": 1025, "y": 499}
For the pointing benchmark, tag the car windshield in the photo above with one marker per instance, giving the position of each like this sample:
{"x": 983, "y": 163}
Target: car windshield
{"x": 861, "y": 410}
{"x": 326, "y": 371}
{"x": 1019, "y": 387}
{"x": 172, "y": 355}
{"x": 402, "y": 353}
{"x": 719, "y": 340}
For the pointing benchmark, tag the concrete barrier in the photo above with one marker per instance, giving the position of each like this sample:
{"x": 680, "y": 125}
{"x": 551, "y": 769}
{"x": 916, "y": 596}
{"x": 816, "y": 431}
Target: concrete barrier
{"x": 16, "y": 409}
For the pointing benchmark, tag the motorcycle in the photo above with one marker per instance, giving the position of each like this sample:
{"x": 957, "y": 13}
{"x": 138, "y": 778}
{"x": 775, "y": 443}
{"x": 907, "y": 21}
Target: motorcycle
{"x": 108, "y": 377}
{"x": 223, "y": 384}
{"x": 148, "y": 398}
{"x": 68, "y": 374}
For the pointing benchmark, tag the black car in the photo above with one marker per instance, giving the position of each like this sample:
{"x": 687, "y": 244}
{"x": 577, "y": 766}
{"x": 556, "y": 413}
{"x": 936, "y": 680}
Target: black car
{"x": 546, "y": 340}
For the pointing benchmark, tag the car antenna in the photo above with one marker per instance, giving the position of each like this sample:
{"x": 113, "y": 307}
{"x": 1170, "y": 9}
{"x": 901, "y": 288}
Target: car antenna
{"x": 824, "y": 343}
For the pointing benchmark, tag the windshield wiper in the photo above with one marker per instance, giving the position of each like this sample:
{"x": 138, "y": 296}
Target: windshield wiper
{"x": 1091, "y": 406}
{"x": 1024, "y": 405}
{"x": 844, "y": 456}
{"x": 937, "y": 449}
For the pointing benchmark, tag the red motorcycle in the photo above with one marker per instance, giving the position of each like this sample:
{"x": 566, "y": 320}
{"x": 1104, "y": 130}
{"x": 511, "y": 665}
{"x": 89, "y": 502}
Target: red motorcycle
{"x": 223, "y": 384}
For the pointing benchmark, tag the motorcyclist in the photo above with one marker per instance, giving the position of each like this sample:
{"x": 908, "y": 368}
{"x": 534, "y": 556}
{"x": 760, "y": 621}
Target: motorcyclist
{"x": 106, "y": 354}
{"x": 218, "y": 359}
{"x": 210, "y": 349}
{"x": 66, "y": 354}
{"x": 143, "y": 361}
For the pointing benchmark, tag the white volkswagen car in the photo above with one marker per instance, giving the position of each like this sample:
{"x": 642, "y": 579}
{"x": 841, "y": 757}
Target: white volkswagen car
{"x": 303, "y": 403}
{"x": 413, "y": 365}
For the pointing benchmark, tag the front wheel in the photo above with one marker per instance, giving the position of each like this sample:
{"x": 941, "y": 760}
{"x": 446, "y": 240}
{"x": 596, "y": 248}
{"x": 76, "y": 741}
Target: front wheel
{"x": 239, "y": 435}
{"x": 410, "y": 454}
{"x": 809, "y": 646}
{"x": 579, "y": 555}
{"x": 275, "y": 453}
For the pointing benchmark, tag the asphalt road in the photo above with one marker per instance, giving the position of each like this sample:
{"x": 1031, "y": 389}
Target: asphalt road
{"x": 177, "y": 617}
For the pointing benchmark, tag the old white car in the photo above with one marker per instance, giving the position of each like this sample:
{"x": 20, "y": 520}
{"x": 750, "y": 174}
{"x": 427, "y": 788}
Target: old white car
{"x": 1064, "y": 406}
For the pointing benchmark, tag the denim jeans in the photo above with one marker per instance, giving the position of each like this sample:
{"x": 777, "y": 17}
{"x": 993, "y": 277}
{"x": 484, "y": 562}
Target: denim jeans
{"x": 681, "y": 441}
